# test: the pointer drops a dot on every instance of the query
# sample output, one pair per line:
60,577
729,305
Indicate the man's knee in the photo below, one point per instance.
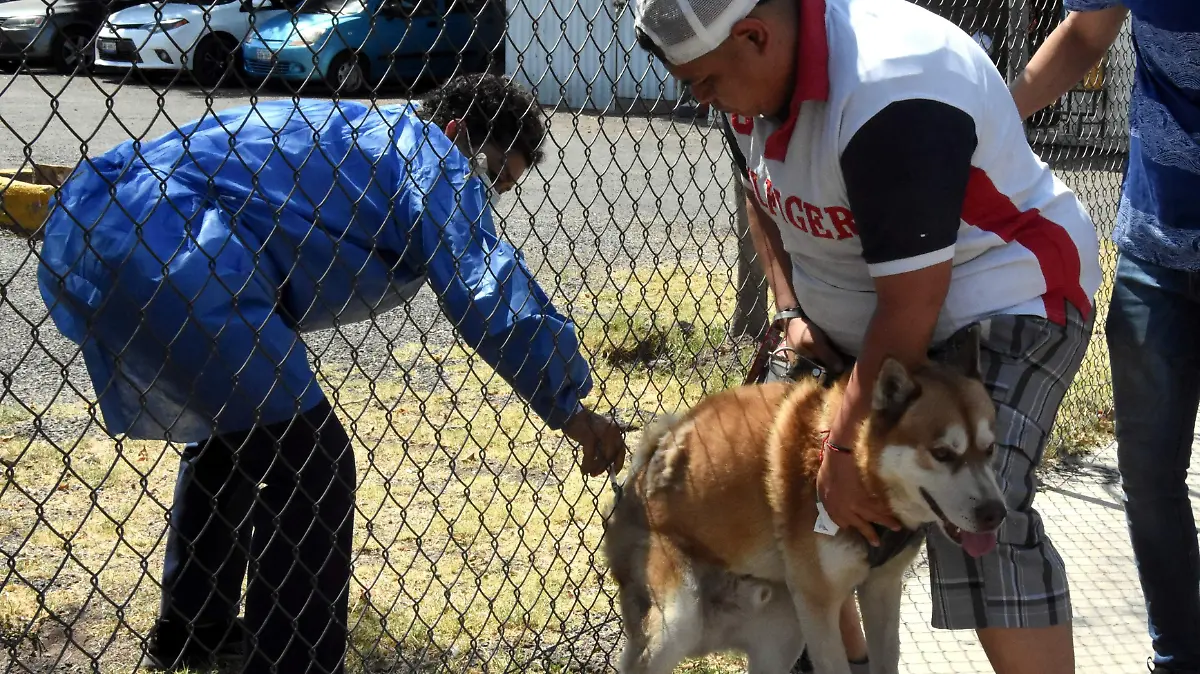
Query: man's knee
1142,370
1151,469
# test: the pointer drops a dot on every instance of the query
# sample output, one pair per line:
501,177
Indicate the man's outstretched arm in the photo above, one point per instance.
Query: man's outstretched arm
498,308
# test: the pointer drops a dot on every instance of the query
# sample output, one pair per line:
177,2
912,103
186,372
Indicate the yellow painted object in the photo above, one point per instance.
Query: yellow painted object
25,196
1094,80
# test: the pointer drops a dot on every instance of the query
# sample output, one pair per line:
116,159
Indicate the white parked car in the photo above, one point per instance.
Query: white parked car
203,37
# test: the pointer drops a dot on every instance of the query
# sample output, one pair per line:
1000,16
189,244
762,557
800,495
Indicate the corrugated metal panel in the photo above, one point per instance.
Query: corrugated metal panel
580,54
643,77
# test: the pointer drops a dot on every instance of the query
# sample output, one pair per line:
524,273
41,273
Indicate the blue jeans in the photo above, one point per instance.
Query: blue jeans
1153,334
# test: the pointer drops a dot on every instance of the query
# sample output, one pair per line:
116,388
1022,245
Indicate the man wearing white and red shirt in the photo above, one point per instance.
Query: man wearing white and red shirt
894,202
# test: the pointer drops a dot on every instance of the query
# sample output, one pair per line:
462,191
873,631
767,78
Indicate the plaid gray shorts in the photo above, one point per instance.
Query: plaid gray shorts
1028,363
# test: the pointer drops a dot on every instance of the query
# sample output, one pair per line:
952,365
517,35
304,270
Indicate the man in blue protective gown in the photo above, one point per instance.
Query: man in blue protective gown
187,268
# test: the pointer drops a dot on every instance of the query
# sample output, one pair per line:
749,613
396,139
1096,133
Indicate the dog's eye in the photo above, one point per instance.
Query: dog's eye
991,449
943,454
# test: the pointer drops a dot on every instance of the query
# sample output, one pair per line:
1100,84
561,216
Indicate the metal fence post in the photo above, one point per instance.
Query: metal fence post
1018,34
750,312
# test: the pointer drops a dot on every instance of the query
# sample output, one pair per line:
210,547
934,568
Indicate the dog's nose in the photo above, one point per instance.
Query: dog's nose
990,515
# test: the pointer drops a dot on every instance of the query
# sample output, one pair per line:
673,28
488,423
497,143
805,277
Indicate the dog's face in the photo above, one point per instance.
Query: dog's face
931,439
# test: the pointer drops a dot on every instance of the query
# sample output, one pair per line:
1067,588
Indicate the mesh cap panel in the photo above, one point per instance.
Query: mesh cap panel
688,29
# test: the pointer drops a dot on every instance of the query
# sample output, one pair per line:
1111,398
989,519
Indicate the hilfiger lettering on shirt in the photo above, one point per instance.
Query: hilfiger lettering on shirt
829,222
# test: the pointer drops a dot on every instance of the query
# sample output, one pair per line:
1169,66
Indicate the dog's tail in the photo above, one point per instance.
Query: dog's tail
651,438
624,514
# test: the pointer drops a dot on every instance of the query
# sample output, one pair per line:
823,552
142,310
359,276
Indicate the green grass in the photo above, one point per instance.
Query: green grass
476,536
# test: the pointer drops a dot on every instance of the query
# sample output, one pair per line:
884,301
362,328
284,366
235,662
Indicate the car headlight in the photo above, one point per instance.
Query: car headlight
23,22
165,26
308,36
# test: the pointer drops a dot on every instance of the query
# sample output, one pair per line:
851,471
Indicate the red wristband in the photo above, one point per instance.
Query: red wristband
827,446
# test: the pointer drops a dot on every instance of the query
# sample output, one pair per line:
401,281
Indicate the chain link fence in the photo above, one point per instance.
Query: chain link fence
475,538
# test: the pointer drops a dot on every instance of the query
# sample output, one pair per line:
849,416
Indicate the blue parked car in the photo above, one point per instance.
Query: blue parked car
352,44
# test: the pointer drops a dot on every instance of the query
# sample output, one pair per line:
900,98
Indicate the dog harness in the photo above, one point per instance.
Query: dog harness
892,543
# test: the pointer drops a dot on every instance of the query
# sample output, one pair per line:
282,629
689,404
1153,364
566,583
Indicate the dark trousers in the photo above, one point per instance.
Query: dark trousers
1153,335
275,505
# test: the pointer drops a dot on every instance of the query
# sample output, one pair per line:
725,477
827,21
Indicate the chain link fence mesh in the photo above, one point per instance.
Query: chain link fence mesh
475,540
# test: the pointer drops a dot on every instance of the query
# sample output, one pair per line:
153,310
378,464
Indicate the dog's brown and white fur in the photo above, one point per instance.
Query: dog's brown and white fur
712,542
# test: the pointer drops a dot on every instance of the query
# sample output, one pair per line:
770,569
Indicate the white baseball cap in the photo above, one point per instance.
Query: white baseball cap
685,30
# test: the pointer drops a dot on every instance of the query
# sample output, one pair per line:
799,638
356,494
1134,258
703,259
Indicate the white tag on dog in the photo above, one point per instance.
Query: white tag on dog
824,524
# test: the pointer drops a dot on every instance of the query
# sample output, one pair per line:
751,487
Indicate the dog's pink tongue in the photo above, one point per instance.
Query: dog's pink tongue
978,545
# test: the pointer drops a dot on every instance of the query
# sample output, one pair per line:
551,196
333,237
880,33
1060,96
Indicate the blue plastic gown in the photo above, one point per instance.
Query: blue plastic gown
188,268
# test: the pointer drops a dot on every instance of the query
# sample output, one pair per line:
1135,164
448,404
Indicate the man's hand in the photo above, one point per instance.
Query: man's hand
601,440
847,501
812,342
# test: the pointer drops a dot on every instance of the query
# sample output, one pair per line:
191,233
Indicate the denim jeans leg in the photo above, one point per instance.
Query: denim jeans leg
1153,333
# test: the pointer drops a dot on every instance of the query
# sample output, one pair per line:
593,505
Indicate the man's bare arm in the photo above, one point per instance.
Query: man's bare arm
1065,57
775,261
901,328
907,171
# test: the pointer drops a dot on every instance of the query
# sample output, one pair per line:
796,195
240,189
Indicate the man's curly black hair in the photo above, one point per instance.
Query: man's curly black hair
492,108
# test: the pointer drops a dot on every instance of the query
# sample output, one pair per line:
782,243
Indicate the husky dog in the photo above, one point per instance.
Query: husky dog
712,541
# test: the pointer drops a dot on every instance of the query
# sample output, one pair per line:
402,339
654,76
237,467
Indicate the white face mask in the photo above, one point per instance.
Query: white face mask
479,166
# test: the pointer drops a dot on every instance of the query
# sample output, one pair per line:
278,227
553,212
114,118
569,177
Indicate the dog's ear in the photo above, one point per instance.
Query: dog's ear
965,358
894,389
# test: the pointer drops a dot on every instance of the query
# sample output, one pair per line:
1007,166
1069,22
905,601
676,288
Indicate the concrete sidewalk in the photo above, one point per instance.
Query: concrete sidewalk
1081,507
